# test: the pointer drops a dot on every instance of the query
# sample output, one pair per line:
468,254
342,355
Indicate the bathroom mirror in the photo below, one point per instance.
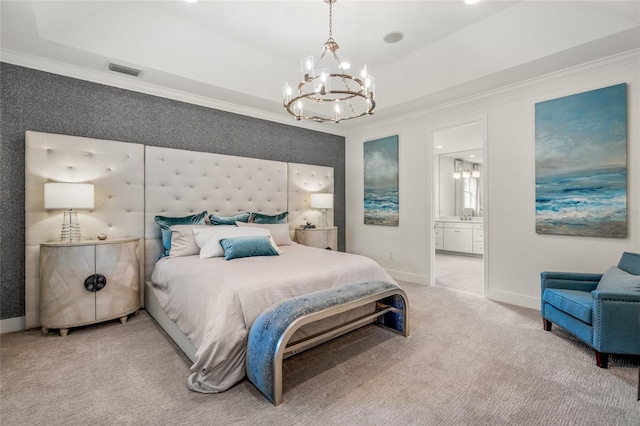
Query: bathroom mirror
460,184
458,162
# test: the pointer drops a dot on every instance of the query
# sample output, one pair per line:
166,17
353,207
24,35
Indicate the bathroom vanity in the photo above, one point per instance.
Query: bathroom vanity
461,236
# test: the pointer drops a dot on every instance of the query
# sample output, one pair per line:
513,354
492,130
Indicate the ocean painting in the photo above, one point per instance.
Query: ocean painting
581,164
381,182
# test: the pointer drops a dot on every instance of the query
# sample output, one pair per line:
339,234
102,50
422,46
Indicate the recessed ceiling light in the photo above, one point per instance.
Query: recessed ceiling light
438,146
471,156
472,1
191,1
393,37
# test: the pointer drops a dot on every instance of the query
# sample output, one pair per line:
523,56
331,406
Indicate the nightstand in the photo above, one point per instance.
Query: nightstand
318,237
88,282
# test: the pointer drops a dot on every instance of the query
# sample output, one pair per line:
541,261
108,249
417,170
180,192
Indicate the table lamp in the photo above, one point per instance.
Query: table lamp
323,202
69,196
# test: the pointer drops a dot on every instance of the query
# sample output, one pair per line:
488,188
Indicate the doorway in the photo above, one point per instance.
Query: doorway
459,176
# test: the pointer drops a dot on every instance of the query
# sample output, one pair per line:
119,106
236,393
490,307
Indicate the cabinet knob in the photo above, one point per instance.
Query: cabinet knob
95,282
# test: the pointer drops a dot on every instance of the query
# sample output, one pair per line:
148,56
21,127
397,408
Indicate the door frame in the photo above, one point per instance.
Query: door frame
482,120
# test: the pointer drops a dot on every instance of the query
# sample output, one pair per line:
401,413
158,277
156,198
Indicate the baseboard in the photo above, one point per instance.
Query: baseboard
10,325
513,299
406,276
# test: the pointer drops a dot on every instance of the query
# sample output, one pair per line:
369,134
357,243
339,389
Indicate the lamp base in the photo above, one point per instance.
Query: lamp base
70,231
323,219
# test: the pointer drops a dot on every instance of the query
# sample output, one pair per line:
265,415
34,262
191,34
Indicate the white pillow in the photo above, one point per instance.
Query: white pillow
183,243
279,231
208,239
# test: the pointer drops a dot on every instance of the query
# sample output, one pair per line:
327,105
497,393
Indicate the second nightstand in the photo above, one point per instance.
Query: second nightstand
318,237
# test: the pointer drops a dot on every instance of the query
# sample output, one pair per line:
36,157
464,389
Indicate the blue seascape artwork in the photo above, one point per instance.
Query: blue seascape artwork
381,182
581,164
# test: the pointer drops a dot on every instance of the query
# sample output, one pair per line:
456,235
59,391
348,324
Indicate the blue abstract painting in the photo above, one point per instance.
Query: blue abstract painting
581,164
381,182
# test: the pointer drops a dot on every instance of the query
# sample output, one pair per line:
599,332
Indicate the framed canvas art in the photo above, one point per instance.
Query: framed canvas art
381,182
581,164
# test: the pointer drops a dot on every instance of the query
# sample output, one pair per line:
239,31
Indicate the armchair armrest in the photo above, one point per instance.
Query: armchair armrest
569,280
616,321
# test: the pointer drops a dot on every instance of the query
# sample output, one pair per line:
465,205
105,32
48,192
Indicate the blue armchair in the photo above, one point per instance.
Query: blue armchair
602,310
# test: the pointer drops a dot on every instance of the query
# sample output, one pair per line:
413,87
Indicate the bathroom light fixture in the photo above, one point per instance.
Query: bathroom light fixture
323,202
476,171
457,174
327,92
69,196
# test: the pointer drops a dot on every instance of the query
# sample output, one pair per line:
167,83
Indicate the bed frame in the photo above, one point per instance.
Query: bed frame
152,306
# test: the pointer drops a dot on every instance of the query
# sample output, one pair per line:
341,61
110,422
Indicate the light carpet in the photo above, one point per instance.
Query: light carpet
468,361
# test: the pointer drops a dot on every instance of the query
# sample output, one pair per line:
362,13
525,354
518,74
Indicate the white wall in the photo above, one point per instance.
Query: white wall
515,254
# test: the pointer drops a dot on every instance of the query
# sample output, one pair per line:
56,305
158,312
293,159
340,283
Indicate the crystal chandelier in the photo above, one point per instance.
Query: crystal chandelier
327,92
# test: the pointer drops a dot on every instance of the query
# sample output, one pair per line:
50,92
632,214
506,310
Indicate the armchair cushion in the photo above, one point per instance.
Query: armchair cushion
617,279
630,262
576,303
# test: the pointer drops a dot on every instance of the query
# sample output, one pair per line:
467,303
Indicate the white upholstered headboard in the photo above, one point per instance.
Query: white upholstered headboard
179,182
134,183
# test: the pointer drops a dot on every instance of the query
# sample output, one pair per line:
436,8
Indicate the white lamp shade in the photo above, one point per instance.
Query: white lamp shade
68,195
322,201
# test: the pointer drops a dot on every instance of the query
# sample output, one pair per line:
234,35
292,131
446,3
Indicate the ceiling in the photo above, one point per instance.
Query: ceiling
463,142
236,55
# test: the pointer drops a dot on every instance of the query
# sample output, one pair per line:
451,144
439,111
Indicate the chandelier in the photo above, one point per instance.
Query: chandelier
327,92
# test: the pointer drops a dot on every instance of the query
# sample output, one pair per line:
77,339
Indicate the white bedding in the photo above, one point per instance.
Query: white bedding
214,302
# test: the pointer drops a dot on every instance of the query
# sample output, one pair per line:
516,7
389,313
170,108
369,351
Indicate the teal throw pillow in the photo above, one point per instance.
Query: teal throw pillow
237,247
229,220
166,223
617,279
265,218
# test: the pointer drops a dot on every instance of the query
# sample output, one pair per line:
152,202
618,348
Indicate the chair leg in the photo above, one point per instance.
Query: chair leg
602,359
546,324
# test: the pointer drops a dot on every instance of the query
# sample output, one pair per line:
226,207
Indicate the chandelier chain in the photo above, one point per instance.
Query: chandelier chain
330,20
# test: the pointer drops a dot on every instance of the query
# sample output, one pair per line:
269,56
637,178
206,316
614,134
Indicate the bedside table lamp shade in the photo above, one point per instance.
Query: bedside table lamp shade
323,202
69,196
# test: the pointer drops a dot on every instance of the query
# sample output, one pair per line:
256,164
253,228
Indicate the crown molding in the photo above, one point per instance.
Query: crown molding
492,95
591,67
55,67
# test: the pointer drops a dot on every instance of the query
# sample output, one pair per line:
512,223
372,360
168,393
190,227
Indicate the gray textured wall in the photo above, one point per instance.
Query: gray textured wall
39,101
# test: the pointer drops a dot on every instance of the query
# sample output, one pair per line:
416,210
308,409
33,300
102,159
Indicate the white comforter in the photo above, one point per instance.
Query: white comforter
214,302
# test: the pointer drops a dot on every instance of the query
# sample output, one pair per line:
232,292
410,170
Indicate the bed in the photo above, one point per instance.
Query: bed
216,313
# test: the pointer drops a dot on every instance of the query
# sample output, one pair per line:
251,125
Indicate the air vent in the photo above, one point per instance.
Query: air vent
124,70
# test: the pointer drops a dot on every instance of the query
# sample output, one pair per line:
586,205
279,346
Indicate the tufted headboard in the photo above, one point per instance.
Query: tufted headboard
179,182
134,183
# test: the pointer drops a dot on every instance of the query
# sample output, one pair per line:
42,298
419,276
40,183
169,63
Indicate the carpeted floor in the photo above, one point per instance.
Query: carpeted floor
468,361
